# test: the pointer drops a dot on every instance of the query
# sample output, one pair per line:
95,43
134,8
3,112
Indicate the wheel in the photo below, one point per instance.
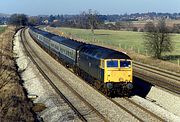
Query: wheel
97,85
107,92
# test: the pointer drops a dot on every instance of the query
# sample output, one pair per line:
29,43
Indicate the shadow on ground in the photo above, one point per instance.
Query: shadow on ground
141,87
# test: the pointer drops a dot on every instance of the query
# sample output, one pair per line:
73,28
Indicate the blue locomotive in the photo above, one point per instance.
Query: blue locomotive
108,70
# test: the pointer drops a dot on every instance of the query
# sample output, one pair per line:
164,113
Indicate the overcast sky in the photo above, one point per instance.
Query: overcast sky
47,7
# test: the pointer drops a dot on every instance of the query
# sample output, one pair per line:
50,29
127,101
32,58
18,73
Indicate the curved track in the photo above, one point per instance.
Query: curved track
142,115
79,113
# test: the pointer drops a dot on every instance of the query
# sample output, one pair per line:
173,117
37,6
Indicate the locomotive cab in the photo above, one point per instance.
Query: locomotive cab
117,72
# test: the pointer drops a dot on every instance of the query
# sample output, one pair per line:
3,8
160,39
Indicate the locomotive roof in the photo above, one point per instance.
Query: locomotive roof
103,53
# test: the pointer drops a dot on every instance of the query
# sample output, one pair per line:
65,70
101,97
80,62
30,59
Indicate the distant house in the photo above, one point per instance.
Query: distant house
55,20
46,22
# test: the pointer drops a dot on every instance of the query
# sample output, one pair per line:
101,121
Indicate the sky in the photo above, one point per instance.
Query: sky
48,7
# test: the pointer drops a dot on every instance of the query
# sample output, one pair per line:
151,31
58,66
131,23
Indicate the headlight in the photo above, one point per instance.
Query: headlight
120,79
109,85
129,86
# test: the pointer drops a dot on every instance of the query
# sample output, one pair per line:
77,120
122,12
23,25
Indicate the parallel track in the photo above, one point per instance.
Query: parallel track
135,104
161,71
166,84
79,114
139,107
161,78
129,111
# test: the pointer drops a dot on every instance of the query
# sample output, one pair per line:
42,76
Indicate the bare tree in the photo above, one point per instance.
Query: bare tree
92,19
157,38
83,20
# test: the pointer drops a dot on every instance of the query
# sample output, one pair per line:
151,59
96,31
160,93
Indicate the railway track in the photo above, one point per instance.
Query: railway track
142,115
128,105
158,77
80,112
136,110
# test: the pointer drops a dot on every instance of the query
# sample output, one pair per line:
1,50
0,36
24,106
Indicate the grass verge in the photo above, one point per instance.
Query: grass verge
130,42
14,105
2,29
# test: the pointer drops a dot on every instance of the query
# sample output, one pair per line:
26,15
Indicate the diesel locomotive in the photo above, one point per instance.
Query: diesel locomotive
108,70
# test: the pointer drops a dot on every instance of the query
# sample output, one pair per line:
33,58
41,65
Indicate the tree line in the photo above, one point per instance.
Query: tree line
157,37
85,20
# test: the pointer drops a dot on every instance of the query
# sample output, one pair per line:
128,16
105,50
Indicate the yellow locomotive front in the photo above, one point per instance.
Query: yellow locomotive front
118,74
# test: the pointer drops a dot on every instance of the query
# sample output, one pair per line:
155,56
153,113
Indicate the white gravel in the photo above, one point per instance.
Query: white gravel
166,112
56,109
165,99
168,116
111,111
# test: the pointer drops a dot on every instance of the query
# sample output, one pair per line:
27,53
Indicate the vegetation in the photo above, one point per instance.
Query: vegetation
18,20
157,39
2,29
124,39
92,19
14,106
133,53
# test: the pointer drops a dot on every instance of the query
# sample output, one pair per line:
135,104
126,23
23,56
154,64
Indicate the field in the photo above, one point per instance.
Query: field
140,24
169,23
2,29
123,39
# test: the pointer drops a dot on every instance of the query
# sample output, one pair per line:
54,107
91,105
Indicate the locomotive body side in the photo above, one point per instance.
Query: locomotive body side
109,70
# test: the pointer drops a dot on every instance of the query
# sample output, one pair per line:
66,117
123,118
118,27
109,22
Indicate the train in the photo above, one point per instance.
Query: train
110,71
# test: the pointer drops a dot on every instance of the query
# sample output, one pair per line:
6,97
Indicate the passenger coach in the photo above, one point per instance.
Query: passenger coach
107,69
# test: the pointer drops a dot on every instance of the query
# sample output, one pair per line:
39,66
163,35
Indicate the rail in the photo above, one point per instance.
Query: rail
170,86
128,111
54,86
162,78
163,72
139,107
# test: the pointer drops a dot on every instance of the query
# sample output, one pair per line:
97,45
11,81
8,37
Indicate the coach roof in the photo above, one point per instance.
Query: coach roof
68,42
59,39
